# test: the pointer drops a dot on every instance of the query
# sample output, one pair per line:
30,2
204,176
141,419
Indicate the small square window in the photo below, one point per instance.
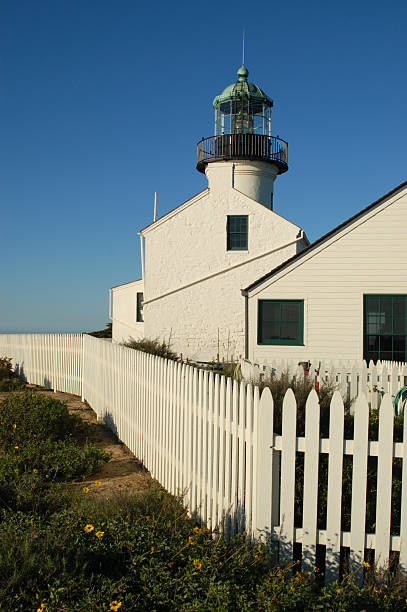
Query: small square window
237,232
281,322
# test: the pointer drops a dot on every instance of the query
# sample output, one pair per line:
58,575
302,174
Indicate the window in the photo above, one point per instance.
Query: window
139,316
237,232
385,327
281,322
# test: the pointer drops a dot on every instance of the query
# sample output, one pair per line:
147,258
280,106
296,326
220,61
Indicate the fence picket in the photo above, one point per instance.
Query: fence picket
384,482
359,480
334,500
311,463
264,458
288,455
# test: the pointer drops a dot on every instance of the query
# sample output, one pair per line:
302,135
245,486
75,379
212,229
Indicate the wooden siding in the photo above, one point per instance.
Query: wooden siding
367,257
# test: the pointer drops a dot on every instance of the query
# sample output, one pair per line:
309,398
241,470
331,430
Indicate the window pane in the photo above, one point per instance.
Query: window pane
290,331
373,343
386,311
386,343
386,356
271,311
399,326
373,324
399,306
271,331
290,312
399,343
372,304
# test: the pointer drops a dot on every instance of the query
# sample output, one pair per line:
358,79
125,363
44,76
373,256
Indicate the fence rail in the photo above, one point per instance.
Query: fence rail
216,442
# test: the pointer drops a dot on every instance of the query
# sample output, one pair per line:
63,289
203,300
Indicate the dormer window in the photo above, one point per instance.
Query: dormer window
237,232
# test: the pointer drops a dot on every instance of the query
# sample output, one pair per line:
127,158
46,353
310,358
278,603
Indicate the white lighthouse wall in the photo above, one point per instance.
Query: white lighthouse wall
368,256
124,312
192,282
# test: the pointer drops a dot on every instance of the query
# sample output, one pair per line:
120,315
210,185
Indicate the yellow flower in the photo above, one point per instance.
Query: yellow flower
293,588
99,534
316,569
191,541
153,549
97,483
197,530
365,564
16,447
257,556
107,498
197,564
88,528
85,490
120,588
376,590
16,470
46,475
32,394
259,548
42,607
14,425
339,591
35,471
115,605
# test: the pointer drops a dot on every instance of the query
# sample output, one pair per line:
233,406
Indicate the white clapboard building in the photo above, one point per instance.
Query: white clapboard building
344,297
224,276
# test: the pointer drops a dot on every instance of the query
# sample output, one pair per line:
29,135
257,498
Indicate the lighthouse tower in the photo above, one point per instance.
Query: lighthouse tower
243,150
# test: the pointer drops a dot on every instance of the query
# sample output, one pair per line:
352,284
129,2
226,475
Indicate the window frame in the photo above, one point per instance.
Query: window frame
299,341
379,296
229,233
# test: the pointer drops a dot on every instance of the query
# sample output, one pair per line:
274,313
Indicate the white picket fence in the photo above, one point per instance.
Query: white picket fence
351,378
212,441
50,360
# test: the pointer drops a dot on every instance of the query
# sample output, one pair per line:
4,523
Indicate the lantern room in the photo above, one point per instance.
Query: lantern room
243,127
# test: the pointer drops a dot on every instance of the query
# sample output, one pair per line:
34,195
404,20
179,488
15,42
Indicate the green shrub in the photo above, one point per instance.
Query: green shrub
39,447
102,333
28,415
143,552
9,380
153,347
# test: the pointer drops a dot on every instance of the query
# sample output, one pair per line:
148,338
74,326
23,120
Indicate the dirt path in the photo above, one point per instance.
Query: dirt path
123,472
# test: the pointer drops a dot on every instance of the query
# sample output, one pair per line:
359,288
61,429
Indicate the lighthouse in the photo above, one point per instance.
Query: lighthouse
243,149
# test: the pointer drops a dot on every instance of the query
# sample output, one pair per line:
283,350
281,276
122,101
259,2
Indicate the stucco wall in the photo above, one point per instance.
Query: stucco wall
124,312
192,282
370,256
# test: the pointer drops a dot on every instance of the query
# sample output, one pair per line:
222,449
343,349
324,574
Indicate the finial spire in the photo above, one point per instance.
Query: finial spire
244,32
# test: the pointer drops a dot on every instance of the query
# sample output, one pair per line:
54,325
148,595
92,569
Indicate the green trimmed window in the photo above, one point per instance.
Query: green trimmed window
281,322
237,232
139,315
385,328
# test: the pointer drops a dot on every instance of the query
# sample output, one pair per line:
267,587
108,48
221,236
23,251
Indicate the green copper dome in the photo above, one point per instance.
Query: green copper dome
242,89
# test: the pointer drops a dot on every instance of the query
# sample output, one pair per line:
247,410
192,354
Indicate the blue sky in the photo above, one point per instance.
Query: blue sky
102,103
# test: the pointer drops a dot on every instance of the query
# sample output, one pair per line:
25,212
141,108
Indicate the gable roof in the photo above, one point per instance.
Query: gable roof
129,283
321,240
176,208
